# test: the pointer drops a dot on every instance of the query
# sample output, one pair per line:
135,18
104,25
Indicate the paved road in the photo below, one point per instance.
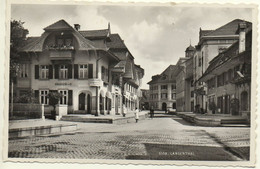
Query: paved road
166,137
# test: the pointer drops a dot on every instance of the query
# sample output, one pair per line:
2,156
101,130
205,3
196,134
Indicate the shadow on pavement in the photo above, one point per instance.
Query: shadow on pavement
183,122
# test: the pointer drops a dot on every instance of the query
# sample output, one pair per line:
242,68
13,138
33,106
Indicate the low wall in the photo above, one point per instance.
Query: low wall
28,111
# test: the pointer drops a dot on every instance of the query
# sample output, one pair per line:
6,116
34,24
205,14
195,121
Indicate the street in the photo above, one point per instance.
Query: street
165,137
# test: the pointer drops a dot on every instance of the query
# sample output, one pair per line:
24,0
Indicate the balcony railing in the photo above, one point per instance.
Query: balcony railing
60,47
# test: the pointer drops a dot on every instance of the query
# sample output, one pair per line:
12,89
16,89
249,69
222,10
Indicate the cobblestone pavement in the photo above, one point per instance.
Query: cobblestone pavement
161,138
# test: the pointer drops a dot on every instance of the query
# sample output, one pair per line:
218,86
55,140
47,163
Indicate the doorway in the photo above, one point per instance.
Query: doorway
164,106
88,104
82,101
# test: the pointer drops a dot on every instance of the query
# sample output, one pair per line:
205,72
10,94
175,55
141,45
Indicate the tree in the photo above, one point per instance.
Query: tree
54,98
17,39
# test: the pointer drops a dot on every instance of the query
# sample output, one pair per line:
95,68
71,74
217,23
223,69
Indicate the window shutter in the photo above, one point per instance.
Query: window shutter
76,71
56,67
36,71
90,71
36,95
70,97
50,72
69,71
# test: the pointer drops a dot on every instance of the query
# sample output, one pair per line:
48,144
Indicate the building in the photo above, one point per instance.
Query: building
228,77
162,89
144,101
211,43
184,81
93,70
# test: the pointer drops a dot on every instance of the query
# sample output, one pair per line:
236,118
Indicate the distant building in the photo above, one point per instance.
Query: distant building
184,81
144,100
211,43
93,70
162,90
228,76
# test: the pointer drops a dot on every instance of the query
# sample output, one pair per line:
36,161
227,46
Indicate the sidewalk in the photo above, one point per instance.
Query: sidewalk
214,120
25,128
115,119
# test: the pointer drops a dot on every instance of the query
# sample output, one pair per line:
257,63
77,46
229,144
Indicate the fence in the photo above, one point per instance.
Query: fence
27,111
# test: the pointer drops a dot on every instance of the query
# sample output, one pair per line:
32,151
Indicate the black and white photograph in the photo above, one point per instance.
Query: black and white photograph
135,83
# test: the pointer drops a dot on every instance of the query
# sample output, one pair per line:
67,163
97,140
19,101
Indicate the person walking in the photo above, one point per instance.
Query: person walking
136,114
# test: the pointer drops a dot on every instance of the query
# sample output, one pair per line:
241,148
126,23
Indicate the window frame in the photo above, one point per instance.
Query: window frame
44,95
64,68
84,71
64,98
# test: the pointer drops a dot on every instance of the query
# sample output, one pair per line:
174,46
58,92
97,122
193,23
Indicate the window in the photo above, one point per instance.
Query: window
164,87
191,83
200,62
63,72
155,87
64,98
43,97
83,71
220,80
164,95
173,86
191,94
64,41
104,74
230,75
23,73
44,72
174,96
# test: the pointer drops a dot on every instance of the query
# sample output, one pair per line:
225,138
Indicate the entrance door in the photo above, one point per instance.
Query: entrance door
82,101
88,104
164,106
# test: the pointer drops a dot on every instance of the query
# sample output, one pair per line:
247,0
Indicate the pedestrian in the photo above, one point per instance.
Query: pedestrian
124,110
136,115
151,112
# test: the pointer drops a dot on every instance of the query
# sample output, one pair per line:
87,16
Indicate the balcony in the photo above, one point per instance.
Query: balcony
61,55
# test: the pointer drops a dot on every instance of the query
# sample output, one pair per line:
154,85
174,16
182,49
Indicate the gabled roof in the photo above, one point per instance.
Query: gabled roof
228,55
227,29
116,42
36,44
59,25
95,33
161,78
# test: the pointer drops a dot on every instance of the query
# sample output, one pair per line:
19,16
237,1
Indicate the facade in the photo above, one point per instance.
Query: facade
211,43
163,90
228,77
184,81
93,70
144,101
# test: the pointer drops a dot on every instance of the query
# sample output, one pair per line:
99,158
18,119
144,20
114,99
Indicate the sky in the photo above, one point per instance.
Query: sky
157,36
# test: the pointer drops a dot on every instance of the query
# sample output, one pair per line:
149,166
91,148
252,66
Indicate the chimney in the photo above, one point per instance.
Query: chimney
77,27
242,36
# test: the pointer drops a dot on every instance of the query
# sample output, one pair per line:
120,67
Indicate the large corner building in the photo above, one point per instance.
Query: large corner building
93,70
